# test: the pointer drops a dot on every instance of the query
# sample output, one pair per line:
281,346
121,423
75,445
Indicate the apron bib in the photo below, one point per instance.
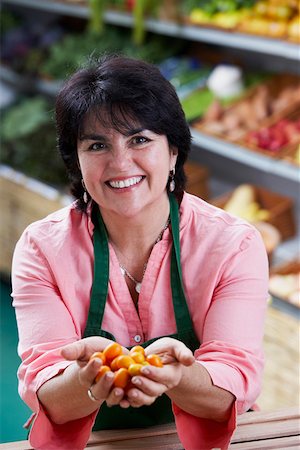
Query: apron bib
160,411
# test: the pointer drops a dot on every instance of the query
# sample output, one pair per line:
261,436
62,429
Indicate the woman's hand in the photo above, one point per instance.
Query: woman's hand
81,351
154,381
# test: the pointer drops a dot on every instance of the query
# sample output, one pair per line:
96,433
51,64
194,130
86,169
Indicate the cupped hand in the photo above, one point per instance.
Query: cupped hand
154,381
81,351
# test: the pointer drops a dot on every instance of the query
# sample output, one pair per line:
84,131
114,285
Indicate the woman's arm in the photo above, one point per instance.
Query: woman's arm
65,396
184,380
229,362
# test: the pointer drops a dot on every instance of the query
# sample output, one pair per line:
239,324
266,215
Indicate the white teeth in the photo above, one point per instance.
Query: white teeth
125,183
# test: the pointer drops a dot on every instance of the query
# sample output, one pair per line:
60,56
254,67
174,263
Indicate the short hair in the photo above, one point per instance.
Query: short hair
119,91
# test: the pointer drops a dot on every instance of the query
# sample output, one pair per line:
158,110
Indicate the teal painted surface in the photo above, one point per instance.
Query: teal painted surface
13,412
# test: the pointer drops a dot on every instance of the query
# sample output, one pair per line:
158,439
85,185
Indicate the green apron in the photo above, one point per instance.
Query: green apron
160,411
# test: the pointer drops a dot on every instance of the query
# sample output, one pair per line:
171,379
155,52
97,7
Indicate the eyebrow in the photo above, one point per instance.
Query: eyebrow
99,137
92,137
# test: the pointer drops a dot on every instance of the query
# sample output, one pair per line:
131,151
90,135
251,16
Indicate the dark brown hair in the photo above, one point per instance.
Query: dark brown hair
121,91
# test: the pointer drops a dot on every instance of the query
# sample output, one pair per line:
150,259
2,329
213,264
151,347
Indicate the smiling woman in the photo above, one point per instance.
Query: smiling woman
137,260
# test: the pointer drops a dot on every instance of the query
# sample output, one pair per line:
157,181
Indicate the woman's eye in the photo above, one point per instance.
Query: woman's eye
140,140
96,146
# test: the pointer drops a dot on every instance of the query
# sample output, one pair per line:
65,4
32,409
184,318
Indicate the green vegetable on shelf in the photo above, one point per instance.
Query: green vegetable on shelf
28,141
196,104
97,8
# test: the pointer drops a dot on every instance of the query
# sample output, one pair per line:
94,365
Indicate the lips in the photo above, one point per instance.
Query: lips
121,184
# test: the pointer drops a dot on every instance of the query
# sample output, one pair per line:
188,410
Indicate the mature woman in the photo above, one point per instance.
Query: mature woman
137,260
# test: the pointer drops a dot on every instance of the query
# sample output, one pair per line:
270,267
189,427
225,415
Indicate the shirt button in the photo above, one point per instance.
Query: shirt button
137,338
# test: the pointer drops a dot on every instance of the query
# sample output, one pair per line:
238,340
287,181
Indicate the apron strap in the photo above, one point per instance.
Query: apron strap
101,276
182,315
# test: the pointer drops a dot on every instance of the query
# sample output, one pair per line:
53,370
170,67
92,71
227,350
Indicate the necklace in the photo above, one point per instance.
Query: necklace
138,284
124,271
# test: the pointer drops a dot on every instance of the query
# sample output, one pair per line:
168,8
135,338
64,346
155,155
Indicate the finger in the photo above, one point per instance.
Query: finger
84,348
148,386
115,397
102,388
73,351
137,398
171,350
166,376
124,403
88,373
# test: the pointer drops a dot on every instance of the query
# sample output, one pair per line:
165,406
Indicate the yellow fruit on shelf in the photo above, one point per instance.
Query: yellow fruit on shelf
280,12
277,29
261,8
243,204
198,16
293,28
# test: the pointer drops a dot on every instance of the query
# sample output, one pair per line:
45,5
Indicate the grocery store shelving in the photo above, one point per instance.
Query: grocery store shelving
269,46
201,140
235,152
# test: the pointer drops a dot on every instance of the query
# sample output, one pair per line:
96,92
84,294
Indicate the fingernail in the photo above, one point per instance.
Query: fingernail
118,392
97,362
136,381
133,394
145,370
109,375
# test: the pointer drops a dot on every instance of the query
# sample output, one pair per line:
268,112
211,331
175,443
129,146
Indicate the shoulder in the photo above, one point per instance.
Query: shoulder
214,226
56,226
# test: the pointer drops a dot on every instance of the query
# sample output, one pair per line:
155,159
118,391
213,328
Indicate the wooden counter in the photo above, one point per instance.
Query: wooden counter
256,430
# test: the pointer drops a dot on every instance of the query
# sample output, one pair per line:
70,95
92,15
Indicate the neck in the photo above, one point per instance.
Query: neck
137,234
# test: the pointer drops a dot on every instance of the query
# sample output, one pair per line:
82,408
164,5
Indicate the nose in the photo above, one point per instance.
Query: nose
121,157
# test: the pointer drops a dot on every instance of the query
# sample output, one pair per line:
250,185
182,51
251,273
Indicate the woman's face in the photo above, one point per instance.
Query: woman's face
124,173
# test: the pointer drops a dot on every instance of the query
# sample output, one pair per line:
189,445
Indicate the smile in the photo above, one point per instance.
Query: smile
125,183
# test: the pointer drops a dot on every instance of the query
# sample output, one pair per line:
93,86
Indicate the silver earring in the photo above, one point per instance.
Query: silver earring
172,182
85,196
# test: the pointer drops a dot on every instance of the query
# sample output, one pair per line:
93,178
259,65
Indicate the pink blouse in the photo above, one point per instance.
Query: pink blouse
225,275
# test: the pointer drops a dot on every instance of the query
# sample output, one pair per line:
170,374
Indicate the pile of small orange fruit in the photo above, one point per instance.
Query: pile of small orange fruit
124,366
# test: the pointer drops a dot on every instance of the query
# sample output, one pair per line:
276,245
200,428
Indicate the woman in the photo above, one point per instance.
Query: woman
137,260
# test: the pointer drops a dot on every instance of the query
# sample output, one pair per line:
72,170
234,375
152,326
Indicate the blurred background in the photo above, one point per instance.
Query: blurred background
235,66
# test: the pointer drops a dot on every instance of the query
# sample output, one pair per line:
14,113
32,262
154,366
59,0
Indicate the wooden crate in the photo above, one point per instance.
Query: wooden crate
197,179
289,268
272,86
281,209
281,375
23,200
292,155
290,113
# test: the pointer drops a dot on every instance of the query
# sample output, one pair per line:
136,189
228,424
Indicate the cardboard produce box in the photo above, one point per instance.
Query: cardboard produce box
279,207
23,200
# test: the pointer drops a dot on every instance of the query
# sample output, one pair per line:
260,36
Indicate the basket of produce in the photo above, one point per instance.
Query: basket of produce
276,138
256,204
267,101
285,282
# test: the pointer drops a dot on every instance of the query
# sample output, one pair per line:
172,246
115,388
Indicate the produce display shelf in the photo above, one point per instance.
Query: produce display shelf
275,47
210,143
244,156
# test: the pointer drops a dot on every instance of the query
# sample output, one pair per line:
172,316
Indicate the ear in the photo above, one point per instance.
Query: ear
173,157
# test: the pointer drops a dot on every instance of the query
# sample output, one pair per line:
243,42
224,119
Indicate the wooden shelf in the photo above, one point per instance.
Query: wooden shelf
268,46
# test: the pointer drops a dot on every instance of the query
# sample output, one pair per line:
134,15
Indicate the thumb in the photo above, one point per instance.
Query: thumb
184,356
172,350
74,351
